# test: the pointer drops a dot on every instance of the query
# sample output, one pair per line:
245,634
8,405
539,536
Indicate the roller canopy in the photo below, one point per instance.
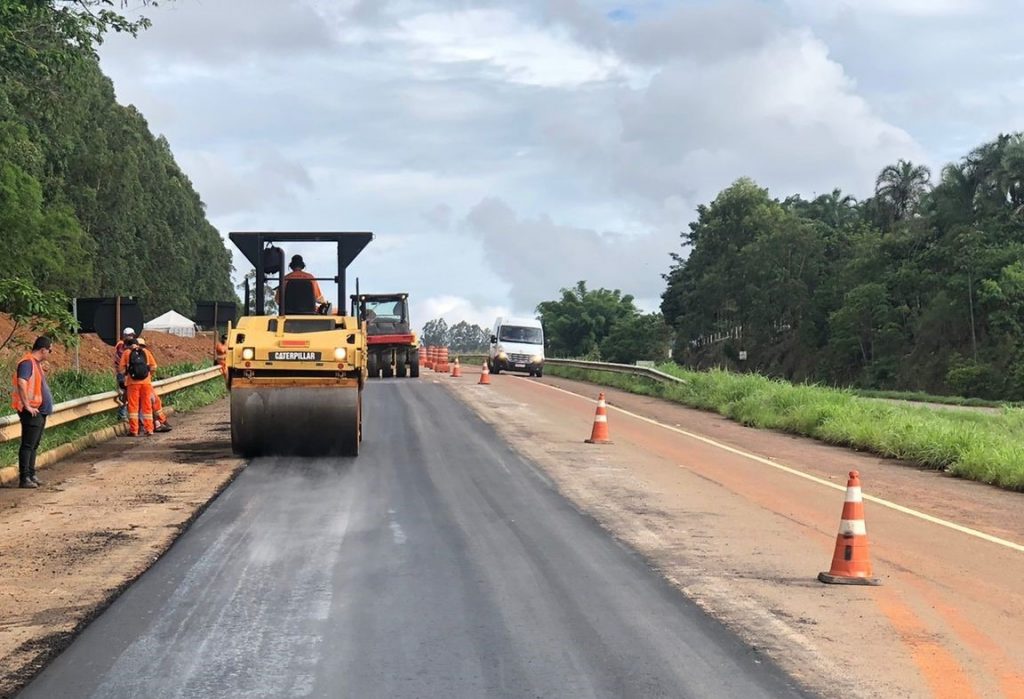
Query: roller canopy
350,243
252,243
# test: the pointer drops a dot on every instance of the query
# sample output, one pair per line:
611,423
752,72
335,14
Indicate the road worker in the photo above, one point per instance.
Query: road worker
298,267
220,355
122,397
159,416
138,365
32,400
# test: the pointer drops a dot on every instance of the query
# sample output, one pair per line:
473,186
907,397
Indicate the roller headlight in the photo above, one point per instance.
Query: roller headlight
248,353
340,353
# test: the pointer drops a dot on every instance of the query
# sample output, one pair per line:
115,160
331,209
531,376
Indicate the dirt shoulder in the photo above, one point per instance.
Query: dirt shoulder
101,519
746,540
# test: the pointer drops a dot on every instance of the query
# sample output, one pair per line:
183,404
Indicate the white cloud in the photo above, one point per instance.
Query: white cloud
537,257
455,309
503,151
499,39
835,9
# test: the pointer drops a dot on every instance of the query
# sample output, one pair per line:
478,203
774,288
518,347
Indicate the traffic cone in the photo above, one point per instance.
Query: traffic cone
456,371
485,375
599,435
851,564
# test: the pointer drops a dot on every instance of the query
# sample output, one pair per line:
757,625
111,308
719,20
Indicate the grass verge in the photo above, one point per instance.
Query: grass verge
922,397
977,446
182,401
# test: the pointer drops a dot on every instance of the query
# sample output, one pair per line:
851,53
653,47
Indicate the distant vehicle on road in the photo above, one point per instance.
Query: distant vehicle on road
517,344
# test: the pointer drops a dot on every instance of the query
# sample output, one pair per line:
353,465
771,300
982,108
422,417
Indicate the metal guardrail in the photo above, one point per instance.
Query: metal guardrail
69,411
629,369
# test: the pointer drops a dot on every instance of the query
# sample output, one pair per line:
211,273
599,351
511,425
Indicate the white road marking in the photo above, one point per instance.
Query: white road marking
820,481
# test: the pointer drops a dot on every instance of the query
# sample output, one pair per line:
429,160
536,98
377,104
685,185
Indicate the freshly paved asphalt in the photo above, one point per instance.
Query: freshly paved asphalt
438,563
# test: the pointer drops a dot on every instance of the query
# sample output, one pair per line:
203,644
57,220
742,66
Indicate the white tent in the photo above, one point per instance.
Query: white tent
172,322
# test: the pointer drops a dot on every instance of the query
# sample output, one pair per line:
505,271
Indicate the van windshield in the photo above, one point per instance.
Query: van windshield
516,333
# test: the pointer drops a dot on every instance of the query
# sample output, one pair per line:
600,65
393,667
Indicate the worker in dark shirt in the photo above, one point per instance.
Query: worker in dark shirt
32,400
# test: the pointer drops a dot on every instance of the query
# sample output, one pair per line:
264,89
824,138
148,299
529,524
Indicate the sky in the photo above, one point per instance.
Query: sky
503,151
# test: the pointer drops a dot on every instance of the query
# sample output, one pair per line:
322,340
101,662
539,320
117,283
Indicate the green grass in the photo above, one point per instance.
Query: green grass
922,397
984,447
182,401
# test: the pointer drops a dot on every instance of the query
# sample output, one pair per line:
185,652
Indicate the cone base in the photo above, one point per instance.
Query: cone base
598,441
847,580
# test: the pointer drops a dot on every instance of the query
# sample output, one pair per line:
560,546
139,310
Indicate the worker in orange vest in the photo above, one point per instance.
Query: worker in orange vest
220,355
122,398
298,267
138,365
159,416
32,400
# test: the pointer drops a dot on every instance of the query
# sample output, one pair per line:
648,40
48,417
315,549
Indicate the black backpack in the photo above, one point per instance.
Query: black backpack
138,367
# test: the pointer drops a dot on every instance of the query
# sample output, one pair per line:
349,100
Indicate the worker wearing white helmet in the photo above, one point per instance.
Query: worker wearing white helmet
126,334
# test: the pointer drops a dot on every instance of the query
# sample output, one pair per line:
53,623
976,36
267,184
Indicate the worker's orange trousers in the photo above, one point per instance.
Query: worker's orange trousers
140,397
158,407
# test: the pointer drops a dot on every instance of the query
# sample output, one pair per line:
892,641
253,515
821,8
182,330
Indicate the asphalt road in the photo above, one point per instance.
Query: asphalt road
437,564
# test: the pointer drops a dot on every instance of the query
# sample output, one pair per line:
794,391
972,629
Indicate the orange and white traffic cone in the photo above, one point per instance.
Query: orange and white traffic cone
456,371
485,375
851,564
599,435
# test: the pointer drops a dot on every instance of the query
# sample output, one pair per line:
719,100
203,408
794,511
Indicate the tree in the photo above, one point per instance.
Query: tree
900,188
637,337
47,311
91,202
864,329
464,337
576,324
435,333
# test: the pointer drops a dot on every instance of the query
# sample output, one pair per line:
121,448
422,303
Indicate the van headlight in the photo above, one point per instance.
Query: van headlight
502,356
536,359
339,354
248,353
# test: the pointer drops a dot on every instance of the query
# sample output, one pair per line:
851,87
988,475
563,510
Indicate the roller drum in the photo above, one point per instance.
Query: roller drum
295,420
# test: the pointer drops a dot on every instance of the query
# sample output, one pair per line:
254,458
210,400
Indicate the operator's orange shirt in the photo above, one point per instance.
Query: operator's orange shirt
302,274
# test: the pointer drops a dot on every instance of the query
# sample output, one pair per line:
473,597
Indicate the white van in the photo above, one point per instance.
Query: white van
517,344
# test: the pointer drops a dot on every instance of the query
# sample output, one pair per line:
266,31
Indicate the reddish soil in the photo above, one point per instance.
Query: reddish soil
96,355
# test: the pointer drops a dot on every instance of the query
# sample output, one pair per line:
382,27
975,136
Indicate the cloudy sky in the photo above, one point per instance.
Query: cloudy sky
503,150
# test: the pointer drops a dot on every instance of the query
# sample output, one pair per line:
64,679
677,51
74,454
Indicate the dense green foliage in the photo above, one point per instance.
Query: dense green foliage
46,311
91,203
461,337
601,324
919,287
978,446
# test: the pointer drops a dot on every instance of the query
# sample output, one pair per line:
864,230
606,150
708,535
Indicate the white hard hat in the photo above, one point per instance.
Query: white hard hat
128,331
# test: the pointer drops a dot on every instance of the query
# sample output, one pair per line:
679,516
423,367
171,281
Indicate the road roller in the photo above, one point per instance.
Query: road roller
295,368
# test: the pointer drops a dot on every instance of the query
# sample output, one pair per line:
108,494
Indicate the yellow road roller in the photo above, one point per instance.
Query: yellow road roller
296,369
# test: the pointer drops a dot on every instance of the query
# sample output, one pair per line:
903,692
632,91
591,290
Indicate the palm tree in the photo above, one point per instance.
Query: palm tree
900,188
836,208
